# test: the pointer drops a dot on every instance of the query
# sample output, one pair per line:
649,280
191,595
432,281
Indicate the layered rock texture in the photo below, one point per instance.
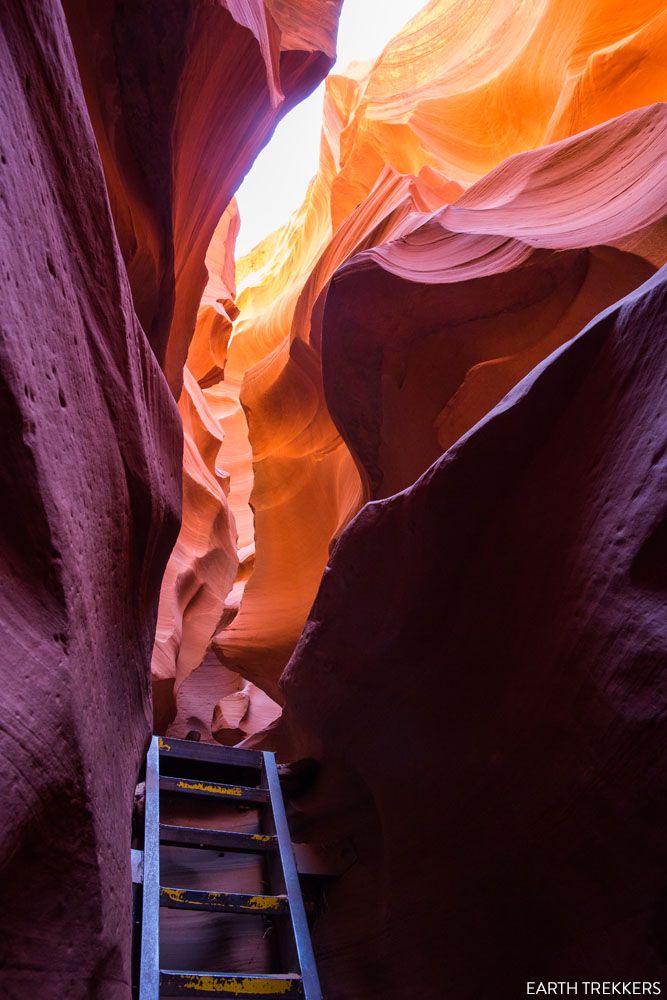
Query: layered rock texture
108,203
423,335
182,96
181,103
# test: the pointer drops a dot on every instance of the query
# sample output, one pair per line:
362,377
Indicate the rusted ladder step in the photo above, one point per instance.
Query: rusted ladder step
202,984
216,840
223,902
215,789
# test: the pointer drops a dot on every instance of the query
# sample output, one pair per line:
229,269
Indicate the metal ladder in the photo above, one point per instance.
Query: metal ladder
191,765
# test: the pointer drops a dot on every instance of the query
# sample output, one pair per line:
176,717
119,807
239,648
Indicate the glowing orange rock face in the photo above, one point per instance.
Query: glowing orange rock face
204,562
425,334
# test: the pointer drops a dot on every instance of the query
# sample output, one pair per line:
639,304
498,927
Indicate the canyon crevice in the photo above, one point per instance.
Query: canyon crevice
286,408
387,492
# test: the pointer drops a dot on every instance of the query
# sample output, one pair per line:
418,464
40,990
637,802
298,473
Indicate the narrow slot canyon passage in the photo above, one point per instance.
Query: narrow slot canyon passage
333,360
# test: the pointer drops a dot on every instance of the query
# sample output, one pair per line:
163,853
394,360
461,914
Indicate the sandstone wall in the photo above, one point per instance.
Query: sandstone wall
90,507
484,667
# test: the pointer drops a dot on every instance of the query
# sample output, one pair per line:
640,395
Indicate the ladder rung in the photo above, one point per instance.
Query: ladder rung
214,789
223,902
211,753
201,984
217,840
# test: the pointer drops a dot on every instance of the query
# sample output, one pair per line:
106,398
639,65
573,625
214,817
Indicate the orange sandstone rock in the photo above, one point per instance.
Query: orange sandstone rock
182,97
424,335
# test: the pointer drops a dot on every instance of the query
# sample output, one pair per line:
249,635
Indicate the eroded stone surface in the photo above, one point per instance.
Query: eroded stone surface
181,104
423,335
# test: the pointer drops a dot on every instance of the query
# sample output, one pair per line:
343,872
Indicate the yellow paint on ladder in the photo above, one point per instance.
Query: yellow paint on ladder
262,903
175,895
240,986
199,786
255,904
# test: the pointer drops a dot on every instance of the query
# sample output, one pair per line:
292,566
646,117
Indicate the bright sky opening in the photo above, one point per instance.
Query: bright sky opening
277,182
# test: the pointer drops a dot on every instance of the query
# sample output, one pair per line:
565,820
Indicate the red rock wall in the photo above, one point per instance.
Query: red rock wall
486,658
90,505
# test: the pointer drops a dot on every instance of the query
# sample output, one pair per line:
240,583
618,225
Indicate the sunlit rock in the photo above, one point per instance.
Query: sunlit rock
181,104
424,335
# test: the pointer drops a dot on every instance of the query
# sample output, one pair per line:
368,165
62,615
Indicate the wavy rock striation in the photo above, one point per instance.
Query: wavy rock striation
424,335
181,103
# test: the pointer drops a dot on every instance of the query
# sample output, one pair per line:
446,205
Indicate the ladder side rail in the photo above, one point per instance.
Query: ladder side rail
282,944
297,912
149,973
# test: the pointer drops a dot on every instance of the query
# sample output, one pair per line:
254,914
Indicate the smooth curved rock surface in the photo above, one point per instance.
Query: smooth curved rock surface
181,104
91,458
204,563
465,85
182,97
408,366
486,654
425,334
